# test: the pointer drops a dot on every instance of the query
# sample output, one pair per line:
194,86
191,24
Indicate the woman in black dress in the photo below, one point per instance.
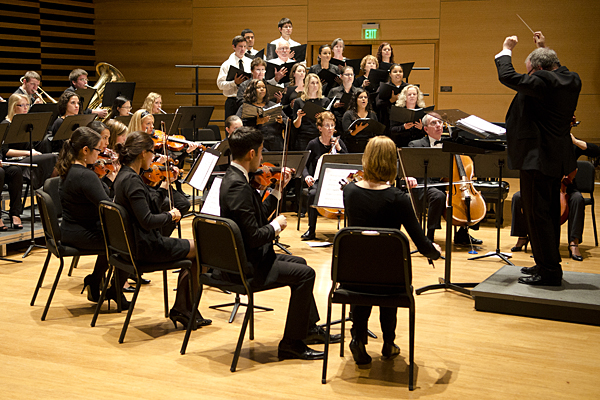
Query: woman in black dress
323,63
294,89
81,192
360,107
144,208
256,95
69,104
412,98
372,202
306,129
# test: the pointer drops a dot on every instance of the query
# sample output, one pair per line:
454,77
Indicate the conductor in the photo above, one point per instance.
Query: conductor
538,125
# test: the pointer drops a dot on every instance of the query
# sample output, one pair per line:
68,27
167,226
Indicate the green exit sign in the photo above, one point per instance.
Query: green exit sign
370,31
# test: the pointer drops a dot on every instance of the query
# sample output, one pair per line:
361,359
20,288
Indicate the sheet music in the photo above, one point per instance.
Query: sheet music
211,204
202,173
331,194
480,125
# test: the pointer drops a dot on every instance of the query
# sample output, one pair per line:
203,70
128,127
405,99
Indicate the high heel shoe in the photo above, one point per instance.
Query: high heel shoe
523,241
111,294
184,319
15,225
574,256
93,288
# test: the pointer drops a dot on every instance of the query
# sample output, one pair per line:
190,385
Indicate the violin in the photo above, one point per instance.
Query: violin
352,177
159,172
469,206
266,176
174,142
106,162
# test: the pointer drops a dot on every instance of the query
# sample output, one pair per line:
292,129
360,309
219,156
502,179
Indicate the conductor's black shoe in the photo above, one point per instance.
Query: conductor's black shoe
359,353
297,350
128,289
539,280
308,235
390,350
318,335
463,238
530,270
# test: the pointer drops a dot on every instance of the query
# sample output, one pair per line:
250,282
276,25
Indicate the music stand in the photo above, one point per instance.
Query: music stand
71,123
49,107
29,128
124,119
200,172
195,117
85,95
3,110
295,159
452,148
112,90
494,166
170,120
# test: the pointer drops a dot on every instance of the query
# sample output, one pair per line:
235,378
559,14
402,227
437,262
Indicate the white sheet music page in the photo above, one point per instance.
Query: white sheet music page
331,194
481,125
211,204
204,170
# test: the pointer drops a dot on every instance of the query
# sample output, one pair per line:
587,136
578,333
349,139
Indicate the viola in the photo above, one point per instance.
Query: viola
158,172
469,206
106,162
267,175
174,142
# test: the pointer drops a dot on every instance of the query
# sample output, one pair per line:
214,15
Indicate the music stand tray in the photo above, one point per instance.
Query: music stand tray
295,159
86,96
71,123
112,90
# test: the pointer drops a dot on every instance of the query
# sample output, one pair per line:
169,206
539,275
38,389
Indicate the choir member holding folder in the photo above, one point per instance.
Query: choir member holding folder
356,121
402,131
304,122
230,86
367,64
342,95
328,72
294,89
388,93
385,53
258,105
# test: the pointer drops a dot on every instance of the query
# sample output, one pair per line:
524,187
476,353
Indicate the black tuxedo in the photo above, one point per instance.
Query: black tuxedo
242,204
436,197
539,144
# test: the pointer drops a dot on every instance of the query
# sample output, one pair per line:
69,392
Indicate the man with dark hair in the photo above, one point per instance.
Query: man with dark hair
436,197
79,80
241,203
539,145
240,61
285,28
249,36
29,87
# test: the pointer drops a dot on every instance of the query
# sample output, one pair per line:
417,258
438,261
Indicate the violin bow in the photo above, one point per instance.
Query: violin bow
283,163
162,126
429,260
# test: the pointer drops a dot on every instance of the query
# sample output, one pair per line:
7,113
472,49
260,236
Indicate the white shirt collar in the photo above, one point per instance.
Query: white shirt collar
241,168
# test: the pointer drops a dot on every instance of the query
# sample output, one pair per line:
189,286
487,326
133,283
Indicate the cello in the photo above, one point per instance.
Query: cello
469,206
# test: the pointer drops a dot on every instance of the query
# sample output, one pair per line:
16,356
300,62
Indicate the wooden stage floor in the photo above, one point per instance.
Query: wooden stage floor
460,352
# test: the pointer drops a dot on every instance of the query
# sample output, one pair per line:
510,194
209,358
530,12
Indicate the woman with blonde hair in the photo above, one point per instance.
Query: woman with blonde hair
410,97
374,203
141,120
306,129
368,63
153,103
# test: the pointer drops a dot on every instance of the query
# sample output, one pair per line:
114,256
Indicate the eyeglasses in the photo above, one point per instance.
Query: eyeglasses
348,75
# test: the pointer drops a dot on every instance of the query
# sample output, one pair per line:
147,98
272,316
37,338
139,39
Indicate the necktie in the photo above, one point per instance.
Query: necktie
241,66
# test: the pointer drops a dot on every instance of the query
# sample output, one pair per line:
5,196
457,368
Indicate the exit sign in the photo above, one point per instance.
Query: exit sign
370,31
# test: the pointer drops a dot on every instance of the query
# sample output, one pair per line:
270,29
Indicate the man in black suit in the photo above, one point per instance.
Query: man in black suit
241,203
539,145
436,197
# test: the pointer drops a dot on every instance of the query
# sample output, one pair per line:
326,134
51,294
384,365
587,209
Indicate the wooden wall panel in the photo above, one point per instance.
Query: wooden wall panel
391,30
372,11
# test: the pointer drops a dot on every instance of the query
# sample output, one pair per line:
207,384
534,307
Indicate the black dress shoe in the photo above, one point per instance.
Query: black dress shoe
390,350
359,352
129,289
465,239
297,350
539,280
142,280
318,335
308,235
530,270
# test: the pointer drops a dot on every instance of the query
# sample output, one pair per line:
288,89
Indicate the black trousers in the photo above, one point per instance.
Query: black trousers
387,319
302,313
575,221
436,199
541,207
231,106
12,176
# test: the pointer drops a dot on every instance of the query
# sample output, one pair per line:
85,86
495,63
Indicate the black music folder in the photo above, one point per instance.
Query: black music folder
125,119
271,90
374,128
406,68
270,52
327,76
233,72
355,64
271,68
312,109
299,52
377,76
402,114
345,99
385,66
337,62
260,54
387,89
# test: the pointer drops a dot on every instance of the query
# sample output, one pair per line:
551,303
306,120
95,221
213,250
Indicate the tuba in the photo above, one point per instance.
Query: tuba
106,73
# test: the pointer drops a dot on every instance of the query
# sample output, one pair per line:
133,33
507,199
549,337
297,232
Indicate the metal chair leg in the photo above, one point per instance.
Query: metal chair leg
41,279
74,262
54,285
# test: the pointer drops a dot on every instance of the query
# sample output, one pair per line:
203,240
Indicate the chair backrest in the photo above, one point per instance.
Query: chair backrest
372,257
49,221
585,177
51,186
219,244
117,231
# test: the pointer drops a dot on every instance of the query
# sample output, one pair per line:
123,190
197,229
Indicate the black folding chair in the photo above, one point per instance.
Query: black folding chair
219,246
384,278
53,244
117,230
585,179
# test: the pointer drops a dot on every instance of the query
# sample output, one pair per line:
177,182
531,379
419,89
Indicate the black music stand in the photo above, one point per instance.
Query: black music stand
195,117
71,123
85,95
49,107
29,128
452,148
494,166
3,109
112,90
125,119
